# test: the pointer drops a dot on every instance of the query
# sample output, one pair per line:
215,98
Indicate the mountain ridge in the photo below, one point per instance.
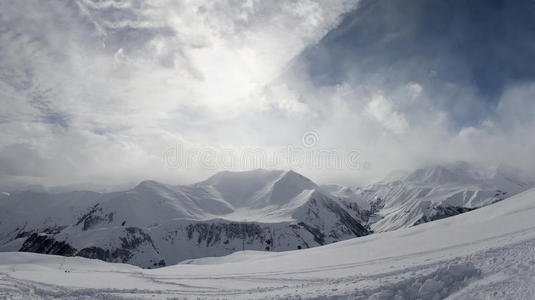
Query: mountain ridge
438,191
155,224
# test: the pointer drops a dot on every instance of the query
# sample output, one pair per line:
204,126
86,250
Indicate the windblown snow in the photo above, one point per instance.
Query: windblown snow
486,253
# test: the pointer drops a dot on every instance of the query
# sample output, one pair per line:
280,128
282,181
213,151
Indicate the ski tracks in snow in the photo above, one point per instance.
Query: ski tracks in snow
505,272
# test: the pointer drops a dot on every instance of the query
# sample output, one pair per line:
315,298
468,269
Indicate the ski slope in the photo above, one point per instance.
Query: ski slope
485,253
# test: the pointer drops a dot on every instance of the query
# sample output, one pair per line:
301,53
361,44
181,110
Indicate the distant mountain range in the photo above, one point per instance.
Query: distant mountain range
155,224
407,199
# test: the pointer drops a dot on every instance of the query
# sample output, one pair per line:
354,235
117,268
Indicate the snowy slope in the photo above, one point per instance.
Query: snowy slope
349,195
483,254
424,195
155,224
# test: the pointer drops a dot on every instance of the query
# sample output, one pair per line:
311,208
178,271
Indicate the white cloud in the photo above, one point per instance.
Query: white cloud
382,110
415,89
96,91
101,88
469,132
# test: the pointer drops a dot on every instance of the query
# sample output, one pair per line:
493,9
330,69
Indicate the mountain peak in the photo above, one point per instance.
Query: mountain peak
150,185
238,176
444,174
288,186
292,175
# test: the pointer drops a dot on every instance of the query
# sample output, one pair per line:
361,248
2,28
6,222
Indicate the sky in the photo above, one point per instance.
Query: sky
109,93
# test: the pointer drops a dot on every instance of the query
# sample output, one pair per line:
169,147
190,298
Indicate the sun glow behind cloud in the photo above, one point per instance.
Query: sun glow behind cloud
97,91
121,81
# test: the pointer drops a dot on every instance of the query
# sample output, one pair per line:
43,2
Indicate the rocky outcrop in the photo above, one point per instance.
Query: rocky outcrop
46,244
94,217
441,212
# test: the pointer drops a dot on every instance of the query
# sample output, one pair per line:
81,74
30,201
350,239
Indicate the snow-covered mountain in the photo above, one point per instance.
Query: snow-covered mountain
487,253
156,224
427,194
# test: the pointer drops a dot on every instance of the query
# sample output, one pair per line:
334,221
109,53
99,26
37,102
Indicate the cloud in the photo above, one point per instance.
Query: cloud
381,109
97,90
423,83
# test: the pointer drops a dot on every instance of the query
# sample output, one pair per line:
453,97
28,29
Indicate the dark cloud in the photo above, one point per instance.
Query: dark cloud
463,53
